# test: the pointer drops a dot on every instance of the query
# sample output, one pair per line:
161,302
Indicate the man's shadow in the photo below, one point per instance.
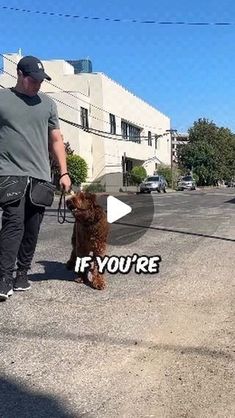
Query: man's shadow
53,270
17,400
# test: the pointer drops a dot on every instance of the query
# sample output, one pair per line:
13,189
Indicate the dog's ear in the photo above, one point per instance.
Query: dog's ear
81,195
90,196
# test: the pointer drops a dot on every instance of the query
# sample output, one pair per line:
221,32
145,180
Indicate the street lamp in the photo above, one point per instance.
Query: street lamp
171,132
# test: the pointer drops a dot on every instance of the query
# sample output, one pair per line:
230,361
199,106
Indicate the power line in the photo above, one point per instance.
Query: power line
91,130
60,101
89,104
79,126
94,131
54,98
99,132
108,19
144,137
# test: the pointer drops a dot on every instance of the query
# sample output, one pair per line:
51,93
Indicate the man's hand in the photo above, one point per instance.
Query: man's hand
65,183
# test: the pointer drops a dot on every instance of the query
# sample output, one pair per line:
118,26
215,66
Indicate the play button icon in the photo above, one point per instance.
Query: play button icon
129,215
116,209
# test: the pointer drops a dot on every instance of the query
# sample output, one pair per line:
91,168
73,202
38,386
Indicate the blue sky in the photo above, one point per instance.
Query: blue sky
187,72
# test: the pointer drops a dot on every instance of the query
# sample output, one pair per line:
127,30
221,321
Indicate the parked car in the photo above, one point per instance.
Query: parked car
186,182
153,184
231,183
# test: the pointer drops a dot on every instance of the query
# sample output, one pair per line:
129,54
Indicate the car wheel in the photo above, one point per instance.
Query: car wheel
164,190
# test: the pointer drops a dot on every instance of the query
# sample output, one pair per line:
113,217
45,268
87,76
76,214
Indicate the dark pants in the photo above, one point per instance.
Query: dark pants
18,236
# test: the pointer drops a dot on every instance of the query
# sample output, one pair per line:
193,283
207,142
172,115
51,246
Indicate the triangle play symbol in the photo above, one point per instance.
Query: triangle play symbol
116,209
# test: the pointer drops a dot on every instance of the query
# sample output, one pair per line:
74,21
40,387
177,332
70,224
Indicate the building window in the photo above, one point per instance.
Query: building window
156,141
112,121
149,138
124,130
134,133
84,118
130,132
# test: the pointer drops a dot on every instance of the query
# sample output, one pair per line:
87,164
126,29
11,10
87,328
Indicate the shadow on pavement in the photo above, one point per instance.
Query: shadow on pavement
102,338
17,401
54,270
230,201
176,231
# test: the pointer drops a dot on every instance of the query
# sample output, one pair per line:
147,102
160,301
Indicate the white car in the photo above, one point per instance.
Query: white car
186,182
153,184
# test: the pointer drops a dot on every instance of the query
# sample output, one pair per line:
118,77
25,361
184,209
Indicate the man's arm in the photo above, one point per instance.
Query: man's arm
58,151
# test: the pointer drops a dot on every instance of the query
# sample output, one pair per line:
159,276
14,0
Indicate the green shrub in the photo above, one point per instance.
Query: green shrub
94,188
77,169
196,178
165,171
138,174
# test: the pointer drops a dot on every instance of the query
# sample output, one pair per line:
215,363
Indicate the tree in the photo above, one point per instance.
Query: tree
203,130
53,162
68,148
210,153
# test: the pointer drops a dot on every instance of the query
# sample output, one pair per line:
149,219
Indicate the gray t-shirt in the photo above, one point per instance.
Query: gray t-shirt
24,126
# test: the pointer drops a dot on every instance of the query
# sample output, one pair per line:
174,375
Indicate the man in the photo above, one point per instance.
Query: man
29,126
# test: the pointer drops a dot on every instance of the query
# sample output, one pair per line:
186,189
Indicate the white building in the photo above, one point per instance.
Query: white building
178,139
119,131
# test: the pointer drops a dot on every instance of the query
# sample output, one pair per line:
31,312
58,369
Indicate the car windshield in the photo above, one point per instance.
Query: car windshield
187,178
155,178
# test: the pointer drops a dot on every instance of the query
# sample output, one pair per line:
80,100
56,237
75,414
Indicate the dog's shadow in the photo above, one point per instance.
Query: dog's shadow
55,270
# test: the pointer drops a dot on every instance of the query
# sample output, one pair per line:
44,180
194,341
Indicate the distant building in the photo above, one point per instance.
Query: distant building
116,129
81,66
178,139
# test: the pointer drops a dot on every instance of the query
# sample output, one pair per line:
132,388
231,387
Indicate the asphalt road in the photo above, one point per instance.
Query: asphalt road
149,345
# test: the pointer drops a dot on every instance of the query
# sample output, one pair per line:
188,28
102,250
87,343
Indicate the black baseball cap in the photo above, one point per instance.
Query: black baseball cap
32,66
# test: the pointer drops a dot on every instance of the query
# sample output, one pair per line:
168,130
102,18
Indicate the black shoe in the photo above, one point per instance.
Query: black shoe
5,288
21,282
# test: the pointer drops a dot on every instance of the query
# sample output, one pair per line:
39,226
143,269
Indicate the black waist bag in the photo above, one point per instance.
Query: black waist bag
41,192
12,189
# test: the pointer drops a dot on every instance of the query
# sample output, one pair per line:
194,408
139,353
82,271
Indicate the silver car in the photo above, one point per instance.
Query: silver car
186,182
153,184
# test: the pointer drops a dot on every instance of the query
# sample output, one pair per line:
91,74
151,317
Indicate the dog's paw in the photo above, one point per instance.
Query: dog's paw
98,284
79,280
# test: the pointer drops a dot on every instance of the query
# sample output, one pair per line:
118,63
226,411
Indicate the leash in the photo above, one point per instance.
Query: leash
61,211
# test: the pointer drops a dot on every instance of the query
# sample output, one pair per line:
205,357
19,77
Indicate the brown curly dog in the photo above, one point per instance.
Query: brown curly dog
90,234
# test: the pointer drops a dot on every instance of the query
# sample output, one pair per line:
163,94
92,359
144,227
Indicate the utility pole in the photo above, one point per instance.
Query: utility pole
124,170
171,132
